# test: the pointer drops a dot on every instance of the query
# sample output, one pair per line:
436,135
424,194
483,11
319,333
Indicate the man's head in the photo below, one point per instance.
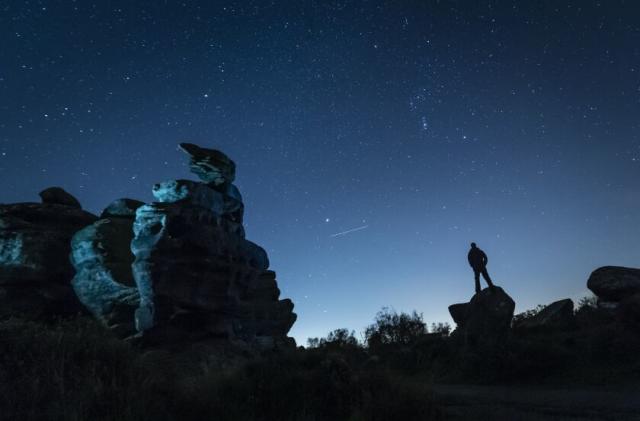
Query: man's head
473,245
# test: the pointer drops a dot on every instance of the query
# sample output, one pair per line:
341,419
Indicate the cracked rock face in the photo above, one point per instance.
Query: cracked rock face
198,276
180,270
34,255
102,257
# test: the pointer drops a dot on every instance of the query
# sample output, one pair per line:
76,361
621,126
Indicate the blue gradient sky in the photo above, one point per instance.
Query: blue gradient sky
430,123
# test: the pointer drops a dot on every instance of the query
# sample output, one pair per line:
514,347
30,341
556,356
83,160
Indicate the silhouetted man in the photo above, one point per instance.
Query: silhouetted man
478,261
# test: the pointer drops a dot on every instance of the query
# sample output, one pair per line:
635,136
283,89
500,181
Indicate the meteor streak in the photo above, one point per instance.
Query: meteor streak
349,231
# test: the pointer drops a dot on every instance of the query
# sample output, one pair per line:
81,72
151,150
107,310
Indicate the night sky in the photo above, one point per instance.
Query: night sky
373,140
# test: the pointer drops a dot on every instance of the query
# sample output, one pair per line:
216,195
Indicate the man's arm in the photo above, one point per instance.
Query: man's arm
485,259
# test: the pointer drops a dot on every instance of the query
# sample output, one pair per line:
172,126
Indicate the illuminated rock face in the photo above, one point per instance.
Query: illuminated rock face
34,255
180,269
196,274
102,258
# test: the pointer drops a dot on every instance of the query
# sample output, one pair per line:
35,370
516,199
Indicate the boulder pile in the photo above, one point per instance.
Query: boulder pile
178,270
34,255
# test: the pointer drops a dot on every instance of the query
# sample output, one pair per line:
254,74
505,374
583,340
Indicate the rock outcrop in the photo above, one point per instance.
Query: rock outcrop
196,273
34,255
101,255
57,196
556,315
486,319
613,284
180,269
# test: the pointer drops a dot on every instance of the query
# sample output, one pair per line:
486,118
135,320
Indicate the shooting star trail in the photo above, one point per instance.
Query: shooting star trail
349,231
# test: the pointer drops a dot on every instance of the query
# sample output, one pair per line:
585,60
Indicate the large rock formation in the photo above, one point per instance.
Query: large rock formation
101,254
486,319
613,284
34,255
181,269
618,292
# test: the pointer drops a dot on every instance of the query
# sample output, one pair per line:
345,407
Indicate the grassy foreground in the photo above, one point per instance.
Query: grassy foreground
76,370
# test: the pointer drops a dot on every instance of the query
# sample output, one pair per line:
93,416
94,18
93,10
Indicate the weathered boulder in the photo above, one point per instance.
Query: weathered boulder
614,283
101,255
490,313
459,313
556,314
218,171
210,165
34,257
486,319
57,196
196,274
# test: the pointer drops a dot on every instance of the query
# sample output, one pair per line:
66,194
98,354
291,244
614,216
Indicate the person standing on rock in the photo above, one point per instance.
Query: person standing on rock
478,261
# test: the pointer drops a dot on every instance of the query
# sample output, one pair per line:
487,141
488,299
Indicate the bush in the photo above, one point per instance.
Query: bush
339,338
588,302
526,314
391,328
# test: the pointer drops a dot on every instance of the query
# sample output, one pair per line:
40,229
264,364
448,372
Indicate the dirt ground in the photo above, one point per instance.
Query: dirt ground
471,402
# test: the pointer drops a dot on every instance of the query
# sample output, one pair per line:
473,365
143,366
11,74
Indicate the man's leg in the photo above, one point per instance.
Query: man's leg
476,275
486,277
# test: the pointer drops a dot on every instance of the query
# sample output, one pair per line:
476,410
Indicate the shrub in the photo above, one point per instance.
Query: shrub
442,329
391,328
526,314
339,338
588,302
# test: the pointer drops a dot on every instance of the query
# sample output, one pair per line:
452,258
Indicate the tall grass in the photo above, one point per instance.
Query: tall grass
75,370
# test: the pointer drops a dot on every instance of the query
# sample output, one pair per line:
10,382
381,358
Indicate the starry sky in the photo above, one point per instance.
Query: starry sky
374,140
